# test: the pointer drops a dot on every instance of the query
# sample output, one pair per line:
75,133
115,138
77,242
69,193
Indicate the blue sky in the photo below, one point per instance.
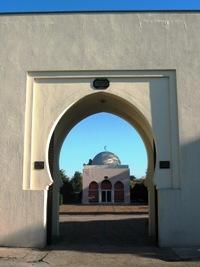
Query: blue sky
95,5
91,135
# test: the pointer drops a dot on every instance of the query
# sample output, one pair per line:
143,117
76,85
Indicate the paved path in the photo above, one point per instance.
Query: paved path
125,257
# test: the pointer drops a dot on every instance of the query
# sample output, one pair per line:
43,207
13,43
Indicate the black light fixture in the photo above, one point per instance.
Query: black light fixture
164,164
39,165
101,83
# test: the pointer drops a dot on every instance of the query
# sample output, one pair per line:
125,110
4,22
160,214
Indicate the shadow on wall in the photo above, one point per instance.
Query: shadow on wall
119,236
33,236
178,218
190,182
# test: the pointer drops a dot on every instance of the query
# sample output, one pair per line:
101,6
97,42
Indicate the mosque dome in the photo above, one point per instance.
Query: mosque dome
106,158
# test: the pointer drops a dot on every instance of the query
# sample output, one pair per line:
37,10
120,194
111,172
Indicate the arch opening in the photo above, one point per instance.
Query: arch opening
93,192
119,192
89,105
106,191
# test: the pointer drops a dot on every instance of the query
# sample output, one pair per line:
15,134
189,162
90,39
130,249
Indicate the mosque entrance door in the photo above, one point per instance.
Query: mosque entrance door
106,192
106,196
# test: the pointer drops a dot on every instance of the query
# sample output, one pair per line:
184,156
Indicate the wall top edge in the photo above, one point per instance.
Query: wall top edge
88,12
36,75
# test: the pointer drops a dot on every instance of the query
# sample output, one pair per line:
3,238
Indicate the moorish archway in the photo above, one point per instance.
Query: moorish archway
89,105
57,101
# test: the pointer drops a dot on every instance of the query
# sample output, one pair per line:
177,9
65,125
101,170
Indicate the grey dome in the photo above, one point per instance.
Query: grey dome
106,158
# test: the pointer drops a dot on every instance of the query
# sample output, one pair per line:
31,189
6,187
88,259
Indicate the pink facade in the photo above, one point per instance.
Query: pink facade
106,182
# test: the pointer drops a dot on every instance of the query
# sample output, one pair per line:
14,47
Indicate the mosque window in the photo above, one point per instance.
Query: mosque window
93,194
119,192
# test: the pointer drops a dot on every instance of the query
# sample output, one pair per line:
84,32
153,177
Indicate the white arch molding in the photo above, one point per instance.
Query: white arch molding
56,102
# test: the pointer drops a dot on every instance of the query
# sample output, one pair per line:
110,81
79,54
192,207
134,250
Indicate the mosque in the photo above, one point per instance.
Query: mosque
106,180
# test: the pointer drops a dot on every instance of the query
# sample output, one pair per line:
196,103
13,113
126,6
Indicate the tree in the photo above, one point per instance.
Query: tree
132,181
76,182
90,162
72,188
66,190
63,176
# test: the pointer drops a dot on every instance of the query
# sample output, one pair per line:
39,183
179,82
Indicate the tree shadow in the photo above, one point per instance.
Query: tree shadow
109,235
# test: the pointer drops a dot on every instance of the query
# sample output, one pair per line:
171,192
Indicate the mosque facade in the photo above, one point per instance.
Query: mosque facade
106,180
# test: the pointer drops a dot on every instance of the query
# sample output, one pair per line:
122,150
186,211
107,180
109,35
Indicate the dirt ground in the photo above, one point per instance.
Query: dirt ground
104,209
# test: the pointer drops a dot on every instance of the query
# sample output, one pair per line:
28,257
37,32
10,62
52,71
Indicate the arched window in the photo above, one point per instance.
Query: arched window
119,192
93,193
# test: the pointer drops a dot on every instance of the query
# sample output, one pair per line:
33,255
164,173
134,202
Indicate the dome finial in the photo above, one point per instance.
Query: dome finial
105,148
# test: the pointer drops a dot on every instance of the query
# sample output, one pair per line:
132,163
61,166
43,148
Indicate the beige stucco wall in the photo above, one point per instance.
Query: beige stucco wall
120,41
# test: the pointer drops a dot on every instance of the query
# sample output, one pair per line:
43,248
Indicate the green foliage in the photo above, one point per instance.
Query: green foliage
66,190
71,188
90,162
63,176
76,182
132,181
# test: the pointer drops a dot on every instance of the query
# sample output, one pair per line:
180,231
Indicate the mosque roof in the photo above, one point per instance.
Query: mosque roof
106,158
